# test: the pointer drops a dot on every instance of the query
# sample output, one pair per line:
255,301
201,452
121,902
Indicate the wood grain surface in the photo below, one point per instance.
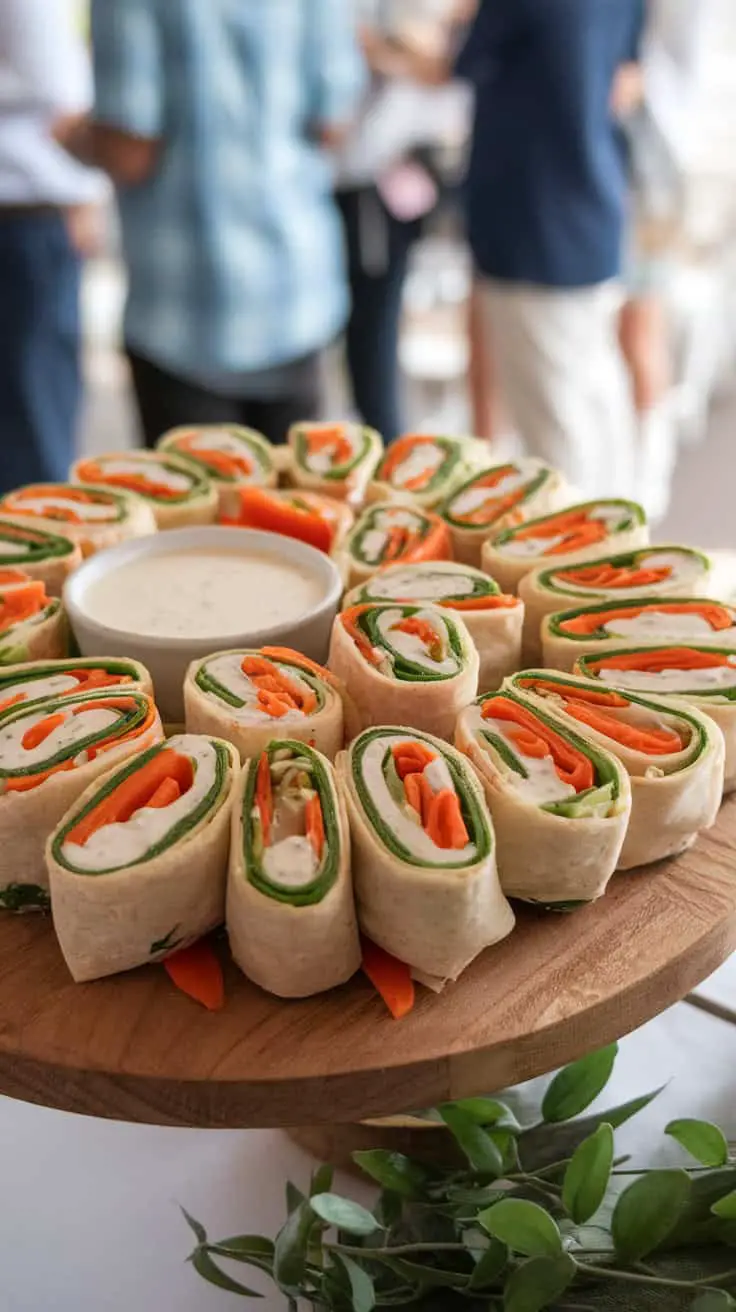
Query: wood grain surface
135,1049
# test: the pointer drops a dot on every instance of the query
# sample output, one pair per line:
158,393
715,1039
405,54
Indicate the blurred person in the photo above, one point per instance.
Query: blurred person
47,223
387,185
546,202
214,121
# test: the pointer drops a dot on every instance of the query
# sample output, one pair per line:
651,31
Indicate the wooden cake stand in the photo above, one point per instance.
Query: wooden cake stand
135,1049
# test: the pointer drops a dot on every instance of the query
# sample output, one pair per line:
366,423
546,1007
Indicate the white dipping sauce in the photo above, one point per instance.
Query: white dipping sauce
200,593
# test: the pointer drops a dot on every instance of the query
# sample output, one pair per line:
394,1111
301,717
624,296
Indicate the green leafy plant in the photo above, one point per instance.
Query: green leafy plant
541,1216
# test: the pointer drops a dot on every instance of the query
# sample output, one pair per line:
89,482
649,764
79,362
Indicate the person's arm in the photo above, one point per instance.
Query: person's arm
335,69
123,134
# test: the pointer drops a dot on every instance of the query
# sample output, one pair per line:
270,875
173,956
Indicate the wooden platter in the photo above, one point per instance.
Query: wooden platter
135,1049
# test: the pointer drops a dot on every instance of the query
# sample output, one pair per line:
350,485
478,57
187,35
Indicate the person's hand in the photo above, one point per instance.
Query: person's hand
627,91
67,129
86,227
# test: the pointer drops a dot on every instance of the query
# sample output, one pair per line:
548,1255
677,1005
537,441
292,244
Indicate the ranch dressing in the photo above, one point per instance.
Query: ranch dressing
664,681
543,784
659,624
474,497
202,593
424,583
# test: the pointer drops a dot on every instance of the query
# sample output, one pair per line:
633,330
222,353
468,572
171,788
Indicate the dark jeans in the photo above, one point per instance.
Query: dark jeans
378,247
165,401
40,375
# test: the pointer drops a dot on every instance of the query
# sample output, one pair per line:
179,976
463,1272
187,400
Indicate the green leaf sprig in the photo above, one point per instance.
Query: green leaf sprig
540,1216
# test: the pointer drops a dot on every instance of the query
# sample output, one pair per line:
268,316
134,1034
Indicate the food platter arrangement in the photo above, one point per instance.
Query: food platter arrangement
516,697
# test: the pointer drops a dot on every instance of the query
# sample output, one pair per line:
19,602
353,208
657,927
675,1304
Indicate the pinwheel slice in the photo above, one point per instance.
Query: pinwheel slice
674,757
493,619
179,495
37,680
581,532
45,556
228,454
290,910
496,498
49,752
318,520
424,468
594,630
337,460
138,865
248,697
560,805
95,517
424,863
32,624
404,665
700,676
392,534
650,572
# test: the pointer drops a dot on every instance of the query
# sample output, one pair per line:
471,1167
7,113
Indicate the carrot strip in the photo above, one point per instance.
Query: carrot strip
397,453
445,824
12,701
89,679
91,471
718,617
196,970
39,732
413,793
315,825
614,576
270,511
349,620
162,780
597,698
264,797
658,659
118,704
330,437
226,464
571,765
24,783
22,604
424,631
577,527
15,502
501,601
411,758
390,977
13,578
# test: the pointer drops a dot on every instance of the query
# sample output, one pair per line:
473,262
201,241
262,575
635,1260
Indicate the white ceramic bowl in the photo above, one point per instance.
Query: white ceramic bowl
168,658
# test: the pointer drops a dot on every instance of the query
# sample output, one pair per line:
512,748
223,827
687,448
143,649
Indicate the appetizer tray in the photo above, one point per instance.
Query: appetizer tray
134,1048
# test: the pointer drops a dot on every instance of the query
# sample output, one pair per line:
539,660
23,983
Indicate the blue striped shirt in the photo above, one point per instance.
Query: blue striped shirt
233,246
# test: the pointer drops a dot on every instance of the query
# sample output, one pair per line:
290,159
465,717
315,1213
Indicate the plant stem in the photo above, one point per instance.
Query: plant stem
398,1250
716,1280
633,1278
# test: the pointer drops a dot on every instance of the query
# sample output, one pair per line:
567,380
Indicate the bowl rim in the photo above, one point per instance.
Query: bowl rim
168,542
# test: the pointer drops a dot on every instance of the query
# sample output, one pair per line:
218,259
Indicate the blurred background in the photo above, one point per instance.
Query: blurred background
682,221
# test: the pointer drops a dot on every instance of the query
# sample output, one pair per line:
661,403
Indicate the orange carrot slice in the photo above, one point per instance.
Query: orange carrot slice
501,601
22,604
411,758
16,503
40,731
444,823
425,632
265,510
571,765
609,697
718,617
24,783
330,437
658,659
398,452
577,527
226,464
12,701
614,576
390,977
196,971
91,471
588,706
349,620
277,693
162,780
315,825
13,578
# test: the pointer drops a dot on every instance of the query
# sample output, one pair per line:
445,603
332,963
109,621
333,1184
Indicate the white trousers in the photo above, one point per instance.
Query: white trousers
563,378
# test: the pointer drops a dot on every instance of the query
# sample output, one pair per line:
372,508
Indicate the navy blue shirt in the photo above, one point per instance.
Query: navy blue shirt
547,180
